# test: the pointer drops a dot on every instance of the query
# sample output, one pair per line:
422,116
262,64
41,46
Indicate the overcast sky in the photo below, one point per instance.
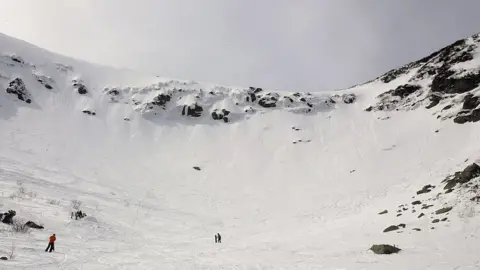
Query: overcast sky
297,45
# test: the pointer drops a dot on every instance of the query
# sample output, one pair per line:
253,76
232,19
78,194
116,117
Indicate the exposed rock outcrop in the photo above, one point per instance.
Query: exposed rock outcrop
17,87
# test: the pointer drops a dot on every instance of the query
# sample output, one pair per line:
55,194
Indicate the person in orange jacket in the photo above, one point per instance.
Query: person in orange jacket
51,243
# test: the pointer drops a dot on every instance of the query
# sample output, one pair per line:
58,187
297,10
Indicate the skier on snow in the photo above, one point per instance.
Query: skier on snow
51,243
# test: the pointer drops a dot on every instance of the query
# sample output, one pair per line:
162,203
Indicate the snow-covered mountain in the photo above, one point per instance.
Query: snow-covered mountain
290,180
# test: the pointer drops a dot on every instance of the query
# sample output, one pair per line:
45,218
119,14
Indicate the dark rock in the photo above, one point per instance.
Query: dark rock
384,249
220,114
258,90
289,99
303,99
193,110
470,172
436,131
89,112
8,216
416,202
470,102
443,210
391,228
421,215
17,87
197,168
16,58
402,225
161,100
449,190
48,86
444,219
126,119
416,229
425,189
434,100
349,98
369,109
82,89
444,83
427,206
473,116
3,258
33,225
268,102
475,199
436,220
225,119
405,90
450,185
448,107
113,92
383,212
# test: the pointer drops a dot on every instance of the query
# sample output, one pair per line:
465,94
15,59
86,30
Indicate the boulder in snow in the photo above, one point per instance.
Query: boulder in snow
443,210
33,225
391,228
384,249
17,87
81,88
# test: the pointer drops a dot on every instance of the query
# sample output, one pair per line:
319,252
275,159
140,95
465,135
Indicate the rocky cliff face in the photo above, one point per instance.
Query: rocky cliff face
445,82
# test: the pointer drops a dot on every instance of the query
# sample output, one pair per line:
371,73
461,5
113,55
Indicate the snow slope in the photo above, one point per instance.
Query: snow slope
293,185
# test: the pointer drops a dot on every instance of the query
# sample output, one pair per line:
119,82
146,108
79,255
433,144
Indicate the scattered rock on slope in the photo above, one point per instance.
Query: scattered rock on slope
161,100
470,172
193,110
464,117
3,258
383,212
17,87
425,189
416,202
89,112
384,249
81,88
349,98
33,225
443,210
8,217
220,115
268,101
197,168
470,102
391,228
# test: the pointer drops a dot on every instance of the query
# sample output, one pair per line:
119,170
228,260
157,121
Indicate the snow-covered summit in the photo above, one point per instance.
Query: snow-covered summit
31,73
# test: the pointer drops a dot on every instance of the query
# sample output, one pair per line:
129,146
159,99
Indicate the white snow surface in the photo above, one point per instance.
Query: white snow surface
312,204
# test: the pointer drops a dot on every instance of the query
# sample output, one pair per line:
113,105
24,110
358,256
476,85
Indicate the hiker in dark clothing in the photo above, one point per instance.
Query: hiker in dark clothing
219,238
216,238
51,243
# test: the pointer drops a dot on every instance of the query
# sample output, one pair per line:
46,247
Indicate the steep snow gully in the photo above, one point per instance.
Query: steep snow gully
290,180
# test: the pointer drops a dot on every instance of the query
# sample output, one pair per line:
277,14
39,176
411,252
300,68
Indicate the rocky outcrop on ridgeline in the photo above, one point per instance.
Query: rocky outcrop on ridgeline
450,76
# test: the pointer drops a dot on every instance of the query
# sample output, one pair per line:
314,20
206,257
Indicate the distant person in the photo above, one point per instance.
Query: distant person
219,238
216,238
51,243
